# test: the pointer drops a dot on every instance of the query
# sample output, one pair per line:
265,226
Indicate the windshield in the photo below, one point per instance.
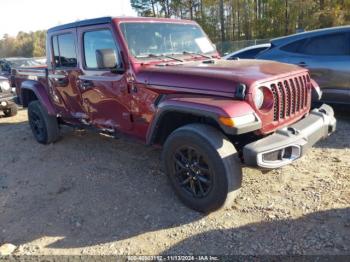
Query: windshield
161,39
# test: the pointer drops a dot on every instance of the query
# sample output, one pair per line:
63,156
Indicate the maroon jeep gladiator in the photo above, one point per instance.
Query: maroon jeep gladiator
163,82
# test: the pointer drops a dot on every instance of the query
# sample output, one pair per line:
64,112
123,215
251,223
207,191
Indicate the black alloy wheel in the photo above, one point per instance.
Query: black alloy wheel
37,125
44,126
203,167
193,171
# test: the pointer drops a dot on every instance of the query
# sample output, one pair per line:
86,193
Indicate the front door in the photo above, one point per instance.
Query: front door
104,92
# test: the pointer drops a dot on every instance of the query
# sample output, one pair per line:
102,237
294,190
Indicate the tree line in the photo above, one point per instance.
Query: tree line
232,20
24,44
223,20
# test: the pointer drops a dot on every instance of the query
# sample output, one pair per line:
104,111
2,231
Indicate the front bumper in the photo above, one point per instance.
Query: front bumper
6,100
290,143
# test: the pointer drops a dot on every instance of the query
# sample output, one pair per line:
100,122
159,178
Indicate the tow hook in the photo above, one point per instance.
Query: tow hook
293,130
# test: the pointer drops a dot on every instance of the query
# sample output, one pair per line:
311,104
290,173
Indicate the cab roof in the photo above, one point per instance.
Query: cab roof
109,19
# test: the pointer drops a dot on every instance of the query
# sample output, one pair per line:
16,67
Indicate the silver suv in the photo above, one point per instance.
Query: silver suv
325,52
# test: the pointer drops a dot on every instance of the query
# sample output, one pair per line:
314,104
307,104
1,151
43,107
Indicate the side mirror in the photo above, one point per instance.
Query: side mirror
107,59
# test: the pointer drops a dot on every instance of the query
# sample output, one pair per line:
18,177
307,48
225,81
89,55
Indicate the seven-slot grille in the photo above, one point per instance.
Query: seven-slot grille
290,96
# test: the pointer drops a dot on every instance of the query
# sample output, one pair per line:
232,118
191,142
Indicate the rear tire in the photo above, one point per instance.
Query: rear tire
44,127
200,154
11,111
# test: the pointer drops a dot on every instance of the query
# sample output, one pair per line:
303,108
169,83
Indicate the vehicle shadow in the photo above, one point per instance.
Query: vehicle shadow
84,190
319,233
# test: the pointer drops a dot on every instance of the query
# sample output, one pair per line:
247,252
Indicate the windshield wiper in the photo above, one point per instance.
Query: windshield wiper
171,57
161,55
194,53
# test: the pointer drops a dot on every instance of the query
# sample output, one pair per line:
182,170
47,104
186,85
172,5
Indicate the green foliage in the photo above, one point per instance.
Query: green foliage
24,44
231,20
223,20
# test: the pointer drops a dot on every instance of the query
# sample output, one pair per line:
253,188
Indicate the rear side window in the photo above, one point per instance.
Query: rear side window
64,50
95,43
294,47
332,45
249,53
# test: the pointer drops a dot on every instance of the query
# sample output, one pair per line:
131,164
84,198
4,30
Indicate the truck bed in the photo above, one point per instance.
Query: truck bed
28,73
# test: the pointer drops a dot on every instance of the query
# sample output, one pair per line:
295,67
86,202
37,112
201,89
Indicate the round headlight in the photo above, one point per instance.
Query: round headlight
263,98
5,85
259,97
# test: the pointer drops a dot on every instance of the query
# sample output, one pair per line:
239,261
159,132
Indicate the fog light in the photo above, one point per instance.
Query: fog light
3,103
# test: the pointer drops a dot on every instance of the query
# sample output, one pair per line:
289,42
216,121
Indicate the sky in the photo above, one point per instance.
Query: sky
32,15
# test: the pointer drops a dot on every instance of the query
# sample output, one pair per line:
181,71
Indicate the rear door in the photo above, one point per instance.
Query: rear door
63,75
105,94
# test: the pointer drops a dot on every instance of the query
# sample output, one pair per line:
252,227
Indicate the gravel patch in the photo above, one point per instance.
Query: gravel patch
89,194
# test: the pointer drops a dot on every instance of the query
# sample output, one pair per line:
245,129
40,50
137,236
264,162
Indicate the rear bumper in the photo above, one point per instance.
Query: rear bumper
290,143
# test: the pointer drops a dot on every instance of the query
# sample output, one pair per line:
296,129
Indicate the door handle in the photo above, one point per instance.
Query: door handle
85,84
61,80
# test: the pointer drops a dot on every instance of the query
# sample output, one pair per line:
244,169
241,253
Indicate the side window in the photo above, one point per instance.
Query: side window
64,50
332,45
251,53
100,50
294,47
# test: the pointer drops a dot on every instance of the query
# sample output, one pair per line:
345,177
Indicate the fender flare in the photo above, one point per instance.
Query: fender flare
40,92
200,109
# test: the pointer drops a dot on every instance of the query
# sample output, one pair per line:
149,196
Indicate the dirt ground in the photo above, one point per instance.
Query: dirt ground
89,194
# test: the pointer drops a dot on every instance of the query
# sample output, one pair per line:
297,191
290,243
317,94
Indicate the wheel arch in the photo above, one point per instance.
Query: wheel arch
174,111
169,118
33,90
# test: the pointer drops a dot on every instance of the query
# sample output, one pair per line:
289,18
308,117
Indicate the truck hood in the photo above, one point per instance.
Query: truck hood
221,76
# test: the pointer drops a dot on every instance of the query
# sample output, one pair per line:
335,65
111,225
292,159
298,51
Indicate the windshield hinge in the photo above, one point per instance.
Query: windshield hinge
240,91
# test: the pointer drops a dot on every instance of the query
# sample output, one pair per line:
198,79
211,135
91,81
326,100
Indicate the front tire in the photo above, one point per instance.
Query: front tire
11,111
44,127
203,167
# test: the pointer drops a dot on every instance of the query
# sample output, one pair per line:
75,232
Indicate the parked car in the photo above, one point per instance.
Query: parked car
15,62
11,63
40,60
249,52
7,104
5,68
161,81
325,52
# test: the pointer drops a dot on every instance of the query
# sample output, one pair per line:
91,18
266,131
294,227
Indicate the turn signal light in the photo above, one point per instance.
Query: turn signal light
237,121
227,121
